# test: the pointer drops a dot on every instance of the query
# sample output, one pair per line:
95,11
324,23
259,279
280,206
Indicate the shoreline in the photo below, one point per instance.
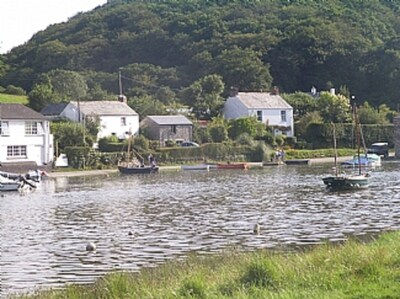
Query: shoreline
107,172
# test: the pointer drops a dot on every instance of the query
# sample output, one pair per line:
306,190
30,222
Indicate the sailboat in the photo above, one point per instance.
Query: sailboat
134,166
339,182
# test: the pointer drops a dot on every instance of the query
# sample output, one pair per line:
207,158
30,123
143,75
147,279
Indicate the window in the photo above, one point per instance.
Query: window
31,128
123,121
173,129
16,151
4,128
259,115
283,115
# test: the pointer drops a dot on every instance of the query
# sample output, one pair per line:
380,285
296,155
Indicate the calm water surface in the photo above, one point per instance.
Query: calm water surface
142,221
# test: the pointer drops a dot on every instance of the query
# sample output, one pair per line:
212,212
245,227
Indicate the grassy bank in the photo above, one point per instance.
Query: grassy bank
352,270
8,98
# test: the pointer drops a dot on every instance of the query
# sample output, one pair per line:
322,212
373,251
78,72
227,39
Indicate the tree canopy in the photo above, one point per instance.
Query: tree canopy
165,46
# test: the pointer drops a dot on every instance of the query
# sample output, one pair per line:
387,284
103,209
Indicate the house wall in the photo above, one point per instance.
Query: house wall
273,117
70,112
112,125
39,148
234,108
182,133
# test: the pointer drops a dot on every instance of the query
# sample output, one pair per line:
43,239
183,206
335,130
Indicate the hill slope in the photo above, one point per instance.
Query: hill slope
171,43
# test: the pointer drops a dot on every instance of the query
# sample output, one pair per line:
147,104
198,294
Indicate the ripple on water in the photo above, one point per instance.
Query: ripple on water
142,221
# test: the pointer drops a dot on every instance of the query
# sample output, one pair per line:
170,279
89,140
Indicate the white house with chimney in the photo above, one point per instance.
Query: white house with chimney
116,117
24,136
268,107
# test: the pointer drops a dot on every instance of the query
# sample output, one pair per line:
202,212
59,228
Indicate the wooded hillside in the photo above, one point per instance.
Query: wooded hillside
162,47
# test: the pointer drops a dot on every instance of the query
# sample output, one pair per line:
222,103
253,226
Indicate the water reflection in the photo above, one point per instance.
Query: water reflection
141,221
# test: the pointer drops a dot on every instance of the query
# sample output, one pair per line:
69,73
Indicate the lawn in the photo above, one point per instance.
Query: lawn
9,98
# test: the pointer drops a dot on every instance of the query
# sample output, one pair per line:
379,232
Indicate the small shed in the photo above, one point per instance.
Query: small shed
163,128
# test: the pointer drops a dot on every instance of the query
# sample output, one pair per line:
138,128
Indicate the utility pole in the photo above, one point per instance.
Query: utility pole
120,82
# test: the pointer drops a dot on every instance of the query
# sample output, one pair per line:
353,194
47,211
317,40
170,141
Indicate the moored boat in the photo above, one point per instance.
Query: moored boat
368,160
232,166
131,168
205,167
346,182
7,184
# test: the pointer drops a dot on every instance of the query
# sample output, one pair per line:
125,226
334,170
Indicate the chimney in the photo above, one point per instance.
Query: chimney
122,99
274,91
233,92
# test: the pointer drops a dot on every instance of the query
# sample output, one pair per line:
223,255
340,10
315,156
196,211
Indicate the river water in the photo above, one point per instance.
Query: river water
142,221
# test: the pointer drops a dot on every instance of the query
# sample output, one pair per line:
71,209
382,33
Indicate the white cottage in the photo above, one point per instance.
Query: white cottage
269,108
24,136
116,117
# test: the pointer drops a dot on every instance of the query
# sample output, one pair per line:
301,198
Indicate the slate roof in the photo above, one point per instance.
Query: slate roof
262,100
54,109
19,111
170,119
103,108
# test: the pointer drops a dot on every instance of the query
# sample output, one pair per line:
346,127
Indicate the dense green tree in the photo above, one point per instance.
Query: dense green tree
42,95
70,134
147,105
370,115
251,44
334,108
243,68
68,85
301,102
204,96
249,125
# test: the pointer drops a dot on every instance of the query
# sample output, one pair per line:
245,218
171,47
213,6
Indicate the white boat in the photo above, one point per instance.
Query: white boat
7,184
196,167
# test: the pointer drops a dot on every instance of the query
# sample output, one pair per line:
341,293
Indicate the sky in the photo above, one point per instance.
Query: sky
21,19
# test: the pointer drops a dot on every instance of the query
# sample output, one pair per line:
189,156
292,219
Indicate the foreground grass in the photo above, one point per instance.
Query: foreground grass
352,270
8,98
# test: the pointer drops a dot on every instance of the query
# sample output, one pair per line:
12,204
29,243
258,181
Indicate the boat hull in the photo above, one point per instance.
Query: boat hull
196,167
232,166
10,186
137,170
346,182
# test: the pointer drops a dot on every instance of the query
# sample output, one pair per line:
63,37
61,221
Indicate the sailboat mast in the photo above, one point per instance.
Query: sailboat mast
335,149
358,136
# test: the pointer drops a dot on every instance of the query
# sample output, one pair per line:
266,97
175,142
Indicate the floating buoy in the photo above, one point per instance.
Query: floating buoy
256,229
90,247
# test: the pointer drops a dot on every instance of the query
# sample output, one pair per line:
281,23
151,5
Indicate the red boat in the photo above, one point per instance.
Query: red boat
232,166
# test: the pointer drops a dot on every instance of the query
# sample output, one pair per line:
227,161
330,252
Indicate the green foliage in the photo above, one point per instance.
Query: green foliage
260,274
218,133
15,90
140,143
334,108
193,288
302,124
110,144
78,156
70,134
302,103
204,96
249,125
370,115
350,45
321,135
201,134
